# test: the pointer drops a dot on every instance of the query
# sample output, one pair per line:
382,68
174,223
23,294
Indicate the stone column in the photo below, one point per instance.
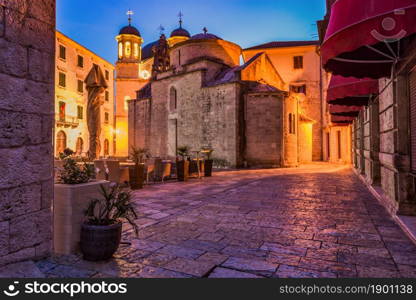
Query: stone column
389,174
372,144
405,181
27,56
359,143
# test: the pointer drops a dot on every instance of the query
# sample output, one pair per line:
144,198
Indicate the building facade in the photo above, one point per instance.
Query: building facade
299,64
206,99
384,143
73,63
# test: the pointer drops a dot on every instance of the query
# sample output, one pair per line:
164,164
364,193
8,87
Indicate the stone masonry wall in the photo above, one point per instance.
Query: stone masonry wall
27,56
206,117
264,130
388,138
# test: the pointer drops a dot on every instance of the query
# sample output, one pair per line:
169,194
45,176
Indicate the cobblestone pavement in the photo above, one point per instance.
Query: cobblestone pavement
314,221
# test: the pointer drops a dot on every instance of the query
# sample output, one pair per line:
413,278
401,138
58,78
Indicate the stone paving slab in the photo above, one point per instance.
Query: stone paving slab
314,221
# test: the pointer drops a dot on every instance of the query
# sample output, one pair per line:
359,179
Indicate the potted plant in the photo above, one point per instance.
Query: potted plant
138,155
72,191
101,232
182,164
208,162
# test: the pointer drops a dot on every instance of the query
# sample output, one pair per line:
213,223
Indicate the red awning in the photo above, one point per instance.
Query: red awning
351,91
365,38
344,110
342,119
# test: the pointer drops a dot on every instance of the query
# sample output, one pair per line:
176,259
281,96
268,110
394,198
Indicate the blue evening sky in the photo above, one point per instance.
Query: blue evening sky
95,23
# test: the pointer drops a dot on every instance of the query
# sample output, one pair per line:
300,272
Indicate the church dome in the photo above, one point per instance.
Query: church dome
130,30
205,36
147,51
180,32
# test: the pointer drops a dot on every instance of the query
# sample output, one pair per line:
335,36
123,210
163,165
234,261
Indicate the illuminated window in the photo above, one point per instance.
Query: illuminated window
128,49
62,108
126,103
298,62
120,50
136,50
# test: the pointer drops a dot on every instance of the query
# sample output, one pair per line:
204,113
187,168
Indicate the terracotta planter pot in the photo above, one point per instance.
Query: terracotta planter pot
208,167
69,205
100,242
182,169
136,175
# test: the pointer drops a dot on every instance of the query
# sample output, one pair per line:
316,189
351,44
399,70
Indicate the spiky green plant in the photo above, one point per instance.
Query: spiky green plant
183,151
114,206
138,155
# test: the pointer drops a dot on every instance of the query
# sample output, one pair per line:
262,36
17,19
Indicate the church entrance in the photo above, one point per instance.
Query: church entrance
172,137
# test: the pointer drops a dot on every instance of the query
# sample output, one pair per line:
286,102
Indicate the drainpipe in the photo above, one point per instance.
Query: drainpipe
321,95
297,130
283,131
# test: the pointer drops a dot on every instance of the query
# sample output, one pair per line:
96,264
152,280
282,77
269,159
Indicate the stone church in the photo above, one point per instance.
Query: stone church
197,93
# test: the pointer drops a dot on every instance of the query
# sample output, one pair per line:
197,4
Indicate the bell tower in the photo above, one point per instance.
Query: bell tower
128,81
129,51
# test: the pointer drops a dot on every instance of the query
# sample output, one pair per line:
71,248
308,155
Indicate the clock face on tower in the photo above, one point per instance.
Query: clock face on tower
145,74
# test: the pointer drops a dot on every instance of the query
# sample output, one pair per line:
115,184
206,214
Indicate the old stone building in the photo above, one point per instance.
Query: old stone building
27,56
382,42
73,63
299,64
247,113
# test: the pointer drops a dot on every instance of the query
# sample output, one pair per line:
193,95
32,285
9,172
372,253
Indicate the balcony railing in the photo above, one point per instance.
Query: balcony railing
65,121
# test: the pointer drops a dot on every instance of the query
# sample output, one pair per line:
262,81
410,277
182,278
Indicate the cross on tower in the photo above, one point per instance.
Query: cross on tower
180,15
161,29
130,13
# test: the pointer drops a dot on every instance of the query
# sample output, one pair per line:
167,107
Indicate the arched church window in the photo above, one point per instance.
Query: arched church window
79,146
60,142
173,101
120,50
106,147
128,49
